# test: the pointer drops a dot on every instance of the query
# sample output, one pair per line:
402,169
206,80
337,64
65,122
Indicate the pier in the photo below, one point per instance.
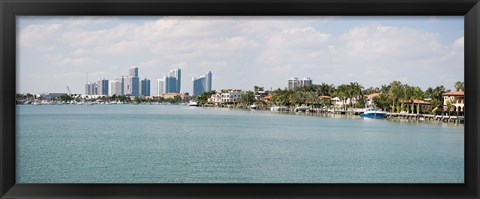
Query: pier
429,117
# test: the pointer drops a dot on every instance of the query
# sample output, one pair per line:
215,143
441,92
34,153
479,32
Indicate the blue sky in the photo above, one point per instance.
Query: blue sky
241,52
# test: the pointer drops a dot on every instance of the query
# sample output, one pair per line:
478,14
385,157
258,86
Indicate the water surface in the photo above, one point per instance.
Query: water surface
181,144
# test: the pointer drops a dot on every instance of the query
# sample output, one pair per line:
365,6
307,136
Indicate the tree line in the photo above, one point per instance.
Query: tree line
393,97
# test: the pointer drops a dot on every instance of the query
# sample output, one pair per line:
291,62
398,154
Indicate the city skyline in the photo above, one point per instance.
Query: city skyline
241,51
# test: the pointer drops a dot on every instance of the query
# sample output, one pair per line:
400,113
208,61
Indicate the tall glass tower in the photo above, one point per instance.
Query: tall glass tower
202,84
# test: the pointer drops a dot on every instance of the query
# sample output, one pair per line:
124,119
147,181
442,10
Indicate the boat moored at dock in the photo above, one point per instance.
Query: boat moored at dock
373,113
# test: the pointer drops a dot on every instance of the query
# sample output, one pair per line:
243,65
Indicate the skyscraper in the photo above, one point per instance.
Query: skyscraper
91,88
177,73
202,84
209,82
293,83
296,83
132,82
145,87
160,86
131,86
306,82
116,87
102,87
170,85
121,85
133,71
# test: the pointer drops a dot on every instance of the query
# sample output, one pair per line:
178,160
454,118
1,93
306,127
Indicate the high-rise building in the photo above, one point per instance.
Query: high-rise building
177,73
133,71
296,83
293,83
202,84
91,88
102,87
145,87
305,82
132,82
116,87
160,86
170,85
131,86
209,81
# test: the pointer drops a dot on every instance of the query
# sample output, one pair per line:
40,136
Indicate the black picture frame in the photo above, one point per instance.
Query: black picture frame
9,9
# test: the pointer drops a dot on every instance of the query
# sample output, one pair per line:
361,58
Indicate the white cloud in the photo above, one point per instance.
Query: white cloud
458,43
370,43
233,46
39,36
70,61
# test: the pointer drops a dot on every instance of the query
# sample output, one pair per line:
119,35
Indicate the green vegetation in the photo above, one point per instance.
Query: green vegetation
248,98
203,98
395,97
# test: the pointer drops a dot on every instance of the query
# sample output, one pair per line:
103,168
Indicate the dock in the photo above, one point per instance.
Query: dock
429,117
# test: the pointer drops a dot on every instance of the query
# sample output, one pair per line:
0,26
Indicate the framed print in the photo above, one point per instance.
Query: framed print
186,99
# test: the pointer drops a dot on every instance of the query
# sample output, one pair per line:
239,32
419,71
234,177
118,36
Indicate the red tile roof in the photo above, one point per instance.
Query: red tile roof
373,95
454,94
325,97
416,102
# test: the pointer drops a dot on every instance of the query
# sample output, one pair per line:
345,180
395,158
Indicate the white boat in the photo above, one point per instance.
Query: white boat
192,103
253,106
301,109
278,108
373,113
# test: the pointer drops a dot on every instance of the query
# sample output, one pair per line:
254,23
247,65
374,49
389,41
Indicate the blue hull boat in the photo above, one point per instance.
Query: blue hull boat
371,113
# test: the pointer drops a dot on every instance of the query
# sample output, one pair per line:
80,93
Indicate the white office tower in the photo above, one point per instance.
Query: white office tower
160,86
133,71
305,82
116,87
293,83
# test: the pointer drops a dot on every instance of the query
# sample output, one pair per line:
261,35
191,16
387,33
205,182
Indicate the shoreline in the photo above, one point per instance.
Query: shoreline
293,113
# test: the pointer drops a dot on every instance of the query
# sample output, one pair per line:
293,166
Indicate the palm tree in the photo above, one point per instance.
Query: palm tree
326,89
438,91
459,86
450,105
355,91
395,94
429,93
342,93
417,94
312,97
280,97
407,95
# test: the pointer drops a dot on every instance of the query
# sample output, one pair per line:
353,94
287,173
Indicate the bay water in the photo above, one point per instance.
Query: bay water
182,144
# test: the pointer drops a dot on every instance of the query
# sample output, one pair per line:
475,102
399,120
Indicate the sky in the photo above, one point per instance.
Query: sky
240,51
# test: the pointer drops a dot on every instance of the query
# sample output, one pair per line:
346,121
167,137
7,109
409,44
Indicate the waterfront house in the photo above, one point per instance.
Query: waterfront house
230,96
458,99
260,95
424,105
339,104
370,97
267,98
216,98
225,96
